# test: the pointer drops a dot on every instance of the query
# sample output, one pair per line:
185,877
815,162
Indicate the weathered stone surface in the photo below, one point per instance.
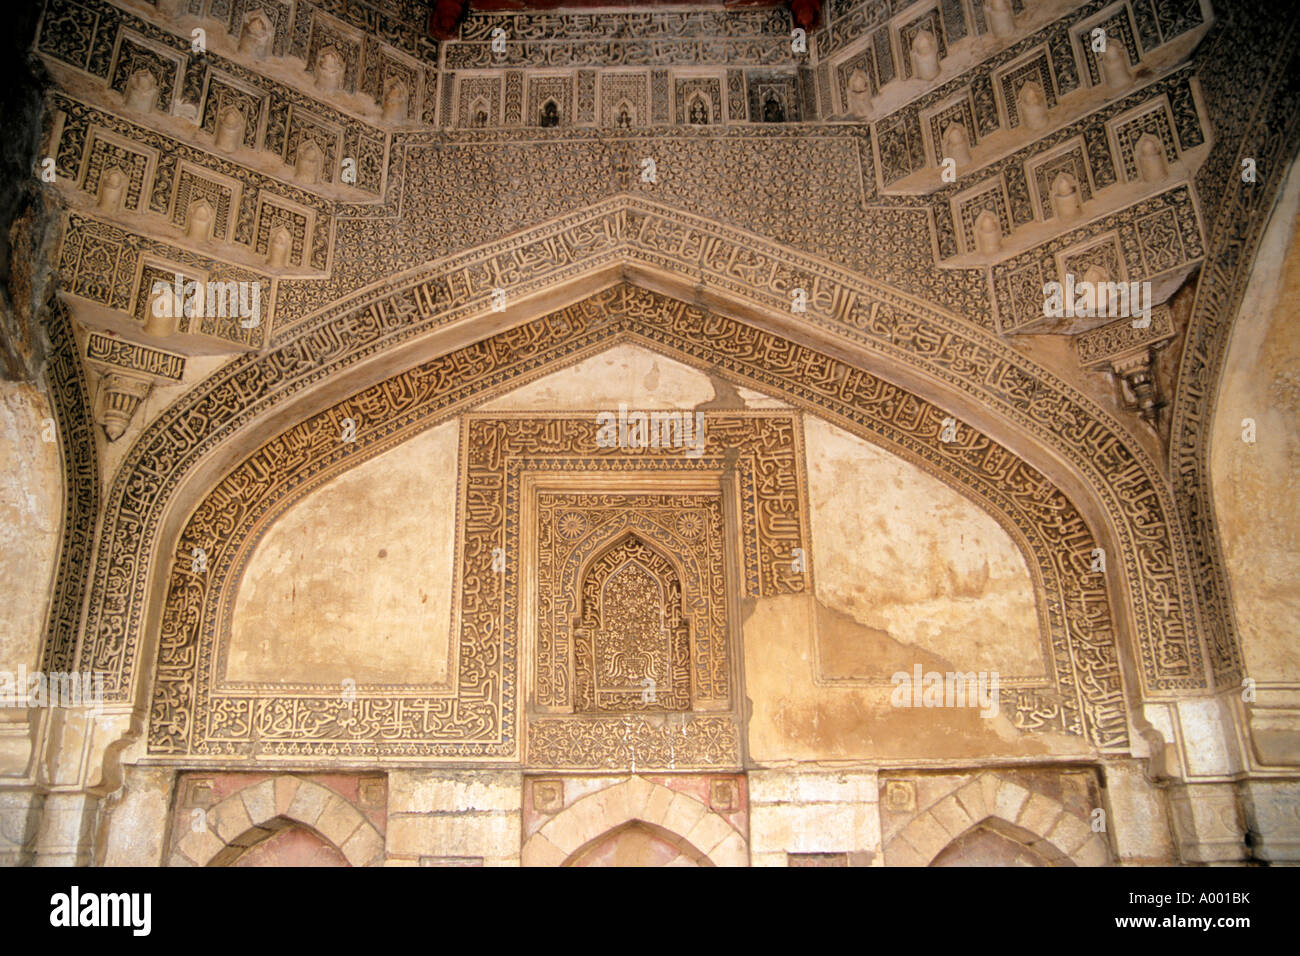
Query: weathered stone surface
31,509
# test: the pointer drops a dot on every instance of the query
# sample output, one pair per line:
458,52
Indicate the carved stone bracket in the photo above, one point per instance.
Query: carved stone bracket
128,371
1124,349
1138,386
119,395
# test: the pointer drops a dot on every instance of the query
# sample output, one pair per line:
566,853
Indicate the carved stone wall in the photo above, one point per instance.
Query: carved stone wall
504,460
861,231
1150,562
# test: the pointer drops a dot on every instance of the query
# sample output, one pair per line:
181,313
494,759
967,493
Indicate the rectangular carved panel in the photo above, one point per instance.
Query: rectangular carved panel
674,545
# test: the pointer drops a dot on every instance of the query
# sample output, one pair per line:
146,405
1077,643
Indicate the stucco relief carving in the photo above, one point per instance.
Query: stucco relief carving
374,326
1170,655
188,717
606,572
1263,128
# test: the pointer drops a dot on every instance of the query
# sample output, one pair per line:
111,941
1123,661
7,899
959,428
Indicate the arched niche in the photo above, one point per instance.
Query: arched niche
289,844
991,842
993,820
632,647
393,322
1254,453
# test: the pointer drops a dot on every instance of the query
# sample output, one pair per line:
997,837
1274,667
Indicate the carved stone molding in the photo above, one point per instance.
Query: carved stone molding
71,401
1264,127
108,352
1047,813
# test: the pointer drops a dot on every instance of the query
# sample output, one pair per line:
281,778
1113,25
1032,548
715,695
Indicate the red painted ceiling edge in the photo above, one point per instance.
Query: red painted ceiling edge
498,5
445,15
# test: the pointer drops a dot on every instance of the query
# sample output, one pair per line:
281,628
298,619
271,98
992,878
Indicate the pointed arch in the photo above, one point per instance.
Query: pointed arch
1039,822
628,583
259,811
687,855
884,343
574,830
479,113
626,532
1038,516
625,114
698,109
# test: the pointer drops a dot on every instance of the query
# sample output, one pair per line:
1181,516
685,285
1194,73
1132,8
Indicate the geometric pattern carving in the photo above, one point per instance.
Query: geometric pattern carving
1155,235
1071,162
774,95
277,14
1020,296
1098,346
302,128
954,20
346,44
1104,253
150,275
992,197
1154,120
107,151
660,98
707,88
224,94
900,145
297,222
629,88
736,101
961,112
907,33
844,72
135,54
220,196
1119,29
241,183
101,263
71,403
208,83
515,97
1160,235
1151,240
542,89
480,95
